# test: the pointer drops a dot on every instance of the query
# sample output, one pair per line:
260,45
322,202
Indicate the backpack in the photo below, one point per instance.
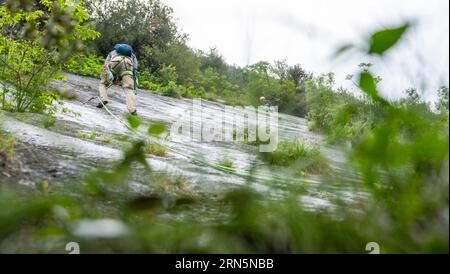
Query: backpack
124,49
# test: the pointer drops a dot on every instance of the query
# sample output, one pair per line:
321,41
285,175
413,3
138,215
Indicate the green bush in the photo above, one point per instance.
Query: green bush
338,113
86,65
170,90
31,57
30,87
168,75
144,84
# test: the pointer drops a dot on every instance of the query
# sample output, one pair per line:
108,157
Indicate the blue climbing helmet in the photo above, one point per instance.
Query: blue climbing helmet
124,49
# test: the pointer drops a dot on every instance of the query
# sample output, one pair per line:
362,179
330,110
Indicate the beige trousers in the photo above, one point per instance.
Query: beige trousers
126,80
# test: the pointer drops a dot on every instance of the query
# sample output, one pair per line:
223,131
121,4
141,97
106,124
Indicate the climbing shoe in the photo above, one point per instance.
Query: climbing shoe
100,105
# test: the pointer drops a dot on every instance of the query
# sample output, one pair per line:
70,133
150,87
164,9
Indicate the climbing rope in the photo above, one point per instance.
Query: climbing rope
236,171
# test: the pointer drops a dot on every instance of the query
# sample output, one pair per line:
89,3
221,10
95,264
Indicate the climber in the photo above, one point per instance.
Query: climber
265,103
120,65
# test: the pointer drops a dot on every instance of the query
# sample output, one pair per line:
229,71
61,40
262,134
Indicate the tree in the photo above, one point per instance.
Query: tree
213,60
442,103
36,37
298,75
150,28
178,55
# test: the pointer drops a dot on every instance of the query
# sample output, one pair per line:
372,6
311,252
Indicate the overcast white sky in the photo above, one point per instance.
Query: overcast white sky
309,31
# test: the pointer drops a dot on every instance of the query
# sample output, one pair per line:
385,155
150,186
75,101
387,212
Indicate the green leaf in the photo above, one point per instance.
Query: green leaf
134,121
156,129
368,85
384,39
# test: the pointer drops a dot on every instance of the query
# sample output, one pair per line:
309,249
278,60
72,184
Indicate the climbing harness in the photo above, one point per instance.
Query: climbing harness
117,63
128,71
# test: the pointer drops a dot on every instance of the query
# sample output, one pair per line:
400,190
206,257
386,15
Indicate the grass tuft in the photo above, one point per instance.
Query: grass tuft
156,149
7,149
226,162
309,159
49,121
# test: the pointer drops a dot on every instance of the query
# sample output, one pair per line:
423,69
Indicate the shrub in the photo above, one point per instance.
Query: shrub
144,84
86,65
171,90
337,113
31,57
28,69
